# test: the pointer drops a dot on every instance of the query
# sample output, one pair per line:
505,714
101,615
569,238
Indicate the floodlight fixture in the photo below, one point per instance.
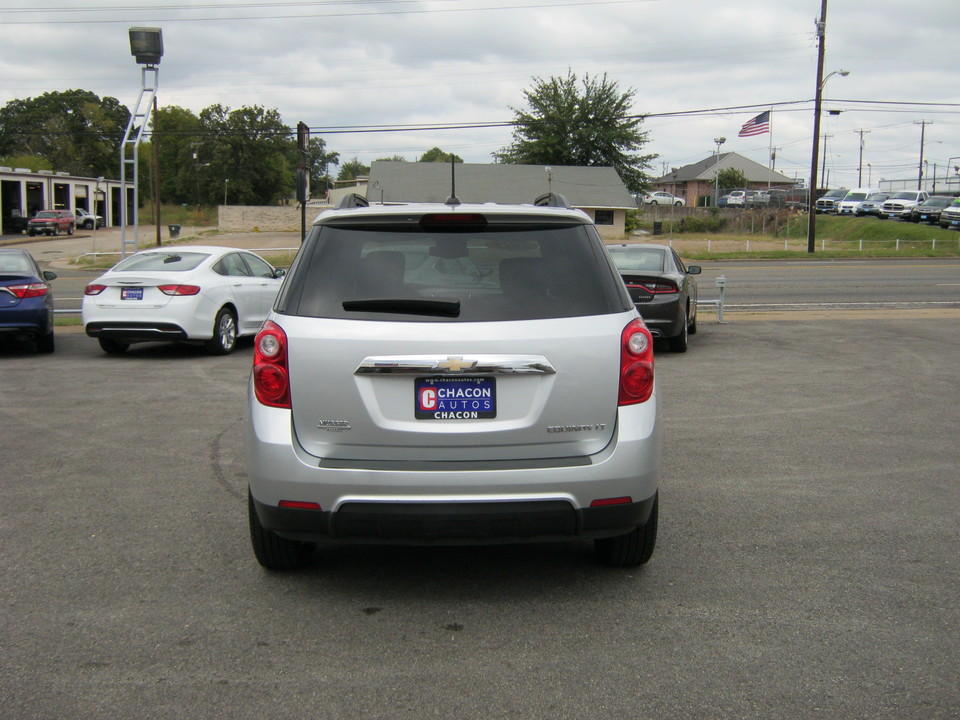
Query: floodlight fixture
146,45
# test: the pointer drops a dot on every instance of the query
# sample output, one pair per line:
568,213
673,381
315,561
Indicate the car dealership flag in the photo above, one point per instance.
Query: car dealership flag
756,126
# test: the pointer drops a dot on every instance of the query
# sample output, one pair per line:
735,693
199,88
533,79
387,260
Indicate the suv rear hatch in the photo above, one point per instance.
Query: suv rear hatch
478,312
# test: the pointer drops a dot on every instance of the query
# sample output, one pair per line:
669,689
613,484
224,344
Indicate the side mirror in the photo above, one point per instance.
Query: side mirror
694,270
279,272
48,275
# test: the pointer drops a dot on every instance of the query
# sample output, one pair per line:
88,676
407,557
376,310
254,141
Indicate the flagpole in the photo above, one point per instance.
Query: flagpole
770,148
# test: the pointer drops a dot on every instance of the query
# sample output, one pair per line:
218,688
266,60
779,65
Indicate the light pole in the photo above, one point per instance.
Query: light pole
716,175
146,45
226,184
818,99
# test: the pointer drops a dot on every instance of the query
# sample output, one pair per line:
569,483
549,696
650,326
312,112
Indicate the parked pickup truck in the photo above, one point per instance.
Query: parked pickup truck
902,202
14,223
86,220
52,222
827,203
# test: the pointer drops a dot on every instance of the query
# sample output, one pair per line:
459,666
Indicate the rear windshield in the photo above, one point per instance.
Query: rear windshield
499,272
163,261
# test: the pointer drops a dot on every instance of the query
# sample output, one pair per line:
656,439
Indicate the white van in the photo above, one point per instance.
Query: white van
851,201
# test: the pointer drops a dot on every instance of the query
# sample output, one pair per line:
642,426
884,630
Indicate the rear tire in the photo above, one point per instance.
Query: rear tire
46,343
634,548
678,343
113,347
271,550
224,338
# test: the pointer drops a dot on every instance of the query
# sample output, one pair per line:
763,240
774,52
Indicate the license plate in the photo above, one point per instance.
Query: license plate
455,398
924,217
131,293
955,222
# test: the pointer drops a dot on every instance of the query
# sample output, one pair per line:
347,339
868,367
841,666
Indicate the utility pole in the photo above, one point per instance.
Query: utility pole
860,165
923,129
818,99
155,141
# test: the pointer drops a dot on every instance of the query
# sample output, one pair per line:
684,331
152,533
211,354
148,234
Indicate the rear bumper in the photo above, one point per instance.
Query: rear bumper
454,523
24,319
136,331
453,502
662,317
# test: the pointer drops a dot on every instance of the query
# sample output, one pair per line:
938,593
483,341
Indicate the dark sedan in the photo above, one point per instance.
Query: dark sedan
662,288
929,210
26,302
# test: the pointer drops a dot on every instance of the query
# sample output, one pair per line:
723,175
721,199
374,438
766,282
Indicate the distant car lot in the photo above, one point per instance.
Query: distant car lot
809,526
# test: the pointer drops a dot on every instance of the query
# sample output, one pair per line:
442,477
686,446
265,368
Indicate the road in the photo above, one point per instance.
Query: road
807,563
838,284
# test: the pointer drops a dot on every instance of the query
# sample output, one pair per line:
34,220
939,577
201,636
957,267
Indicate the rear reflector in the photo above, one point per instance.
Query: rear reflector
604,502
299,505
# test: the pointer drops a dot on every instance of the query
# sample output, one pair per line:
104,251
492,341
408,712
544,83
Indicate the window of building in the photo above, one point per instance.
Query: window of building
603,217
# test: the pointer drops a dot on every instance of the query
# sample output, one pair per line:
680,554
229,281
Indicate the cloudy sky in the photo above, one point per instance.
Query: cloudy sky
699,68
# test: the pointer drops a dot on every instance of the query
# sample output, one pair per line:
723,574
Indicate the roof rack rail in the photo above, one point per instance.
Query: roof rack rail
353,200
552,199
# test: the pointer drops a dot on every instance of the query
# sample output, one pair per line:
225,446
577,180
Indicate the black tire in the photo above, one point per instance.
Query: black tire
88,224
46,343
634,548
224,338
271,550
678,343
692,327
678,203
56,231
654,202
71,229
113,347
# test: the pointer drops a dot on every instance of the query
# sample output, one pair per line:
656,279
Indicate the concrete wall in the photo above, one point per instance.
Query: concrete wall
262,218
286,218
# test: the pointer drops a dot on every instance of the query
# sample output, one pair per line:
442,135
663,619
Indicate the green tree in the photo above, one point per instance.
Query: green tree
580,123
177,134
32,162
318,162
75,131
437,155
731,179
248,151
352,169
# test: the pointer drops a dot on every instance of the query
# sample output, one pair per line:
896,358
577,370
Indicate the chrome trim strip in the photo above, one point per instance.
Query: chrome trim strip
455,365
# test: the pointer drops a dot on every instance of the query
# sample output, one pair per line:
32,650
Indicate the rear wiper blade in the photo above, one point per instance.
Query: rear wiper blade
441,307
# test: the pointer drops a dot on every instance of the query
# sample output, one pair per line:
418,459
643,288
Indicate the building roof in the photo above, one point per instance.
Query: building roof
707,169
583,187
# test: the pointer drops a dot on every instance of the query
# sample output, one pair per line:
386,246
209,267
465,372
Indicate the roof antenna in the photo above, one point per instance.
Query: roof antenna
453,199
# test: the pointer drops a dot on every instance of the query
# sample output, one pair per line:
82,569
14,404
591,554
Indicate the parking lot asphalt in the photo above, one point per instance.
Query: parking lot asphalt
807,563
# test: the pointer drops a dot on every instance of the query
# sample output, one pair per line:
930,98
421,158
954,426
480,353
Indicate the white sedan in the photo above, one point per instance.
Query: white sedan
207,295
662,198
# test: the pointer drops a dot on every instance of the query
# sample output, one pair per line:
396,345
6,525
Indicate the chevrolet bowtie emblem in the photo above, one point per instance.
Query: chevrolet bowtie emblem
456,364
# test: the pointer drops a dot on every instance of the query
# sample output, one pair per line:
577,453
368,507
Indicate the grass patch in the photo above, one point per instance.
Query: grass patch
836,237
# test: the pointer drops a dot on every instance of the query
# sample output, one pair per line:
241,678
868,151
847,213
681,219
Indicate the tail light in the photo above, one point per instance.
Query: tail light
271,378
28,291
658,287
179,289
636,364
94,289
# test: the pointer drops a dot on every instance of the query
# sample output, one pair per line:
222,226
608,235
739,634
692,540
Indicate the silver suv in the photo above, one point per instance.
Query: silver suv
451,373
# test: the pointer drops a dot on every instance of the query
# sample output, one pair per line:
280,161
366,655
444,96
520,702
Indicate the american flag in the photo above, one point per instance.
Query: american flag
756,126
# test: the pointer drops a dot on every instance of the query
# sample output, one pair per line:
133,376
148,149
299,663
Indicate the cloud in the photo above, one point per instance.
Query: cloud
396,62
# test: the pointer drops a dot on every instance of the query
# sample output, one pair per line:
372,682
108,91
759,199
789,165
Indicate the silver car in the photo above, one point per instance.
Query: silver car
453,374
